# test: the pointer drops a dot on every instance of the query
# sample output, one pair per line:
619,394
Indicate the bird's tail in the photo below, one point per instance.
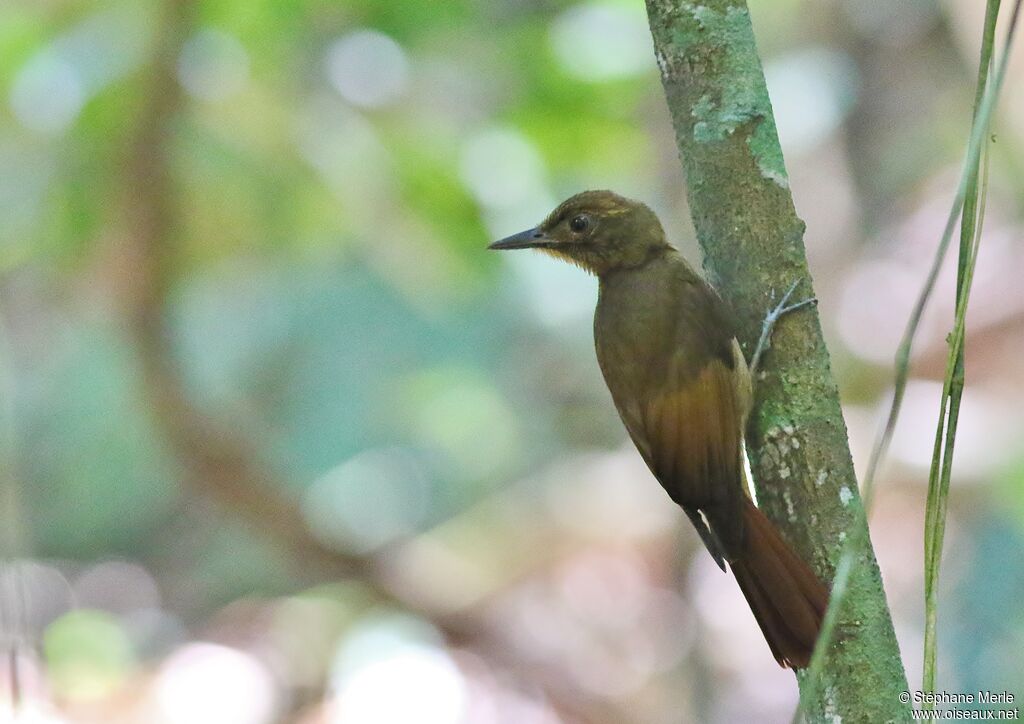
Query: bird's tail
787,598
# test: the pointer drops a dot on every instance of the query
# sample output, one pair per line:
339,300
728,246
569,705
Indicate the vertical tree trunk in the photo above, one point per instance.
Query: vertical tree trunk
753,244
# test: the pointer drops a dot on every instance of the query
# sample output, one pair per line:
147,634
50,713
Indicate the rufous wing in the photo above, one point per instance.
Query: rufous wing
693,426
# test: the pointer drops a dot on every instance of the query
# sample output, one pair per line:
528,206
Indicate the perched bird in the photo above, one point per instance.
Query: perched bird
666,344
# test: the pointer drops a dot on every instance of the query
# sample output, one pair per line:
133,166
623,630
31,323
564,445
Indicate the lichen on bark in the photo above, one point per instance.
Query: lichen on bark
745,100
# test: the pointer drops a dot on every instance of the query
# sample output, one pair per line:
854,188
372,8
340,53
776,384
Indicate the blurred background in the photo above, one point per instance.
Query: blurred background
281,442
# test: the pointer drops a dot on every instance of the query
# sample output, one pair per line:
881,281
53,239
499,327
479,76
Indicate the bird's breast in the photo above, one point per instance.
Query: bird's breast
632,329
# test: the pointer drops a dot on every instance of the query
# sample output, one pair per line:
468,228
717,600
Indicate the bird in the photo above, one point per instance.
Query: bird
667,348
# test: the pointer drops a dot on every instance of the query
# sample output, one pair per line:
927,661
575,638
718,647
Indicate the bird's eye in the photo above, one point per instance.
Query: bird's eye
579,223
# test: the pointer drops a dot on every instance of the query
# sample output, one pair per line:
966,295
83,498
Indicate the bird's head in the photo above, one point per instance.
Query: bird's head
599,231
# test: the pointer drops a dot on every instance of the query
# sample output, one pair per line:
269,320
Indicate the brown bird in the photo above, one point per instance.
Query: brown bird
667,347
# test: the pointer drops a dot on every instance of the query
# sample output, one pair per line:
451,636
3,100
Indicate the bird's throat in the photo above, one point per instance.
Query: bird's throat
562,255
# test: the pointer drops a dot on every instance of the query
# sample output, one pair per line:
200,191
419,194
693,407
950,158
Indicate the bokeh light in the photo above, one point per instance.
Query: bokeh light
213,65
386,674
368,68
600,41
88,654
368,501
203,683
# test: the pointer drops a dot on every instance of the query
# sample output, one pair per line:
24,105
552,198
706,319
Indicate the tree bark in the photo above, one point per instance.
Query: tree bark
752,240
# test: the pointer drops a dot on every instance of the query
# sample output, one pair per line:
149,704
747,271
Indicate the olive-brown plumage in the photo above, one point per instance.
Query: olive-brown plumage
667,348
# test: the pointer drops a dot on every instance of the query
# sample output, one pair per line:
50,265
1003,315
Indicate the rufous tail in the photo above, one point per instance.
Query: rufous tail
787,598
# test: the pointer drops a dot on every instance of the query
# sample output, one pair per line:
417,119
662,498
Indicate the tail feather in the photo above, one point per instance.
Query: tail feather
787,598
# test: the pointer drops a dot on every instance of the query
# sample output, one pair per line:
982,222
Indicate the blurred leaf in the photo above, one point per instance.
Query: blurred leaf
88,654
100,478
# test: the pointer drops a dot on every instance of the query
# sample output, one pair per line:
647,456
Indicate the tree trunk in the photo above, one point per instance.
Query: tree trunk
753,245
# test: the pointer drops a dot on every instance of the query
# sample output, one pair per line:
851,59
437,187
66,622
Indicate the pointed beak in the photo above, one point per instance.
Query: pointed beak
528,239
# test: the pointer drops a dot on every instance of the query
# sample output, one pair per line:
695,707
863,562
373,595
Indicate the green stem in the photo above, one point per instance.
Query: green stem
952,391
902,363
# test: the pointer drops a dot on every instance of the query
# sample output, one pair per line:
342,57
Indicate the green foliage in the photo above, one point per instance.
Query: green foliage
306,248
101,477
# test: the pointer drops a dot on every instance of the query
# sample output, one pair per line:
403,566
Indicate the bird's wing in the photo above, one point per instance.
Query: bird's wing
692,426
692,416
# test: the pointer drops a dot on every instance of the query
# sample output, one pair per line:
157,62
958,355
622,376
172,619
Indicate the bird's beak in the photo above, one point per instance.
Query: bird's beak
529,239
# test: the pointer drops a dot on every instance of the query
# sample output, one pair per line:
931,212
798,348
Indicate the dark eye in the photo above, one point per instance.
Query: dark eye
579,223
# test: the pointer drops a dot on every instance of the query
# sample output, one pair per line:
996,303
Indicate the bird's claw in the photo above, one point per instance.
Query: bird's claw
780,310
